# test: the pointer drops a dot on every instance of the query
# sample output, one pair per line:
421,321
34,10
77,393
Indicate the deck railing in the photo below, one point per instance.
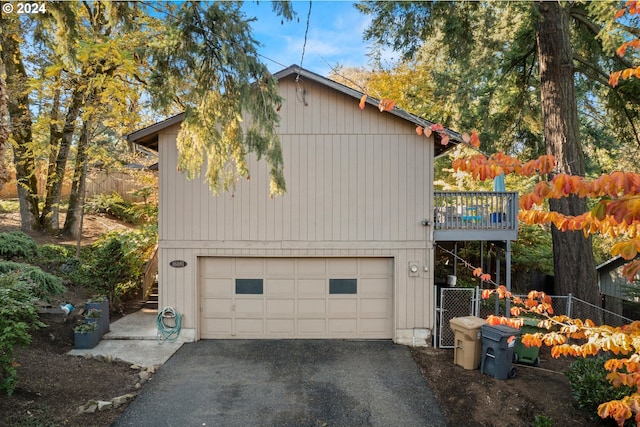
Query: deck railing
482,211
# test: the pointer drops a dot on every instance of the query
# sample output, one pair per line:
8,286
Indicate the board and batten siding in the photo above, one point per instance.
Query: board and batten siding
359,183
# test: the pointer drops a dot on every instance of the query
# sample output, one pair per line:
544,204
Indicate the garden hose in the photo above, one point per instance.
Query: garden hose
168,322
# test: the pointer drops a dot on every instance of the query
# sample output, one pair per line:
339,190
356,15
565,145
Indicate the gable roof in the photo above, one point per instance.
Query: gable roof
148,137
613,263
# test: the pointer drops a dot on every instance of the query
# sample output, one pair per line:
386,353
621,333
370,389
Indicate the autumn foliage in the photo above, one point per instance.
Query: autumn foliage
580,338
615,213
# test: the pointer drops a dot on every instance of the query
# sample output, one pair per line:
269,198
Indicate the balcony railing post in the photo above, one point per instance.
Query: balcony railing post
479,211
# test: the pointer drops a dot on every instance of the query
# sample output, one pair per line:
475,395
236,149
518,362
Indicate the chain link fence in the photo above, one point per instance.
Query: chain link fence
460,302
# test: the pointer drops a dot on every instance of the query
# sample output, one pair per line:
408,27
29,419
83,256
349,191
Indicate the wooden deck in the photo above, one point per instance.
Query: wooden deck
480,215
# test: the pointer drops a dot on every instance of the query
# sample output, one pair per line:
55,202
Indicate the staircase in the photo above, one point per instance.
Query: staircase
151,301
150,283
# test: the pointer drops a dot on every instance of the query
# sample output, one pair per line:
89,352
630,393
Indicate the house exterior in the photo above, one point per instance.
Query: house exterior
347,252
612,284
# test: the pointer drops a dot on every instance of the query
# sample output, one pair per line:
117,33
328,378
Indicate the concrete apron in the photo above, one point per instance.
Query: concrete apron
133,339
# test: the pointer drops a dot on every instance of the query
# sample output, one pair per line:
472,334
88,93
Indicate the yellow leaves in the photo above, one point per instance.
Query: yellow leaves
555,339
627,249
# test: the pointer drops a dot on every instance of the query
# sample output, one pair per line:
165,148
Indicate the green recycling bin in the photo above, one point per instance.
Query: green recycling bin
497,351
523,354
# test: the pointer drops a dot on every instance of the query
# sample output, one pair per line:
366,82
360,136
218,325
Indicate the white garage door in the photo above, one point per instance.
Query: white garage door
296,297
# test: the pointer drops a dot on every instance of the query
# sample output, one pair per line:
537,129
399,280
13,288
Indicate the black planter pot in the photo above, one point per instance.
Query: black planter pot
103,321
86,340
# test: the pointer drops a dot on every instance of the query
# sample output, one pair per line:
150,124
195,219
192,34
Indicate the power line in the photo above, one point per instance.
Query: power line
306,32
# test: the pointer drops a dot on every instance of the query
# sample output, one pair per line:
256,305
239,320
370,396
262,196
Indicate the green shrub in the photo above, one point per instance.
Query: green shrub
45,285
9,206
114,265
57,258
16,244
589,385
18,315
114,205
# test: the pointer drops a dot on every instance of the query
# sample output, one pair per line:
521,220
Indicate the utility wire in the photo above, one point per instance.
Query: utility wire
306,32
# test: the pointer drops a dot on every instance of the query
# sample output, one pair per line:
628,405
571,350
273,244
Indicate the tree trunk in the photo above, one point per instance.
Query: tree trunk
574,264
72,221
20,116
4,126
50,210
55,135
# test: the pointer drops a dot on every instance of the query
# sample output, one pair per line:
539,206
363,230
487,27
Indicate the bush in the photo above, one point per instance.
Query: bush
16,244
45,285
114,265
114,205
589,384
18,315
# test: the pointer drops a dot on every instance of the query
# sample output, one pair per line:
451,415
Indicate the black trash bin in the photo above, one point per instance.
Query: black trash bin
497,351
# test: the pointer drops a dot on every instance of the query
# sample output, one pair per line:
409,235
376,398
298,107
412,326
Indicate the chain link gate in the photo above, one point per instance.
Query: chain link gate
454,302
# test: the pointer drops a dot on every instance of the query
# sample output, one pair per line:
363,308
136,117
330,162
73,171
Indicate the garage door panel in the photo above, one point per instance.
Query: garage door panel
281,287
312,307
347,267
285,327
215,305
374,305
340,306
312,327
375,326
343,326
217,267
249,326
249,267
217,288
296,298
253,306
312,287
216,326
281,306
312,266
281,267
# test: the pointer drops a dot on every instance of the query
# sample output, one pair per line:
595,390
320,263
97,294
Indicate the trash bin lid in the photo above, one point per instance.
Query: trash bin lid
498,332
467,322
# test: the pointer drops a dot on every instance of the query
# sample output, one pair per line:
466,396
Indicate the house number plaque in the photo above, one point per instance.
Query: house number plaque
178,263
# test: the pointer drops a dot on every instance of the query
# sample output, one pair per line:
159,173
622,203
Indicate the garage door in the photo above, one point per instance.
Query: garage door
296,297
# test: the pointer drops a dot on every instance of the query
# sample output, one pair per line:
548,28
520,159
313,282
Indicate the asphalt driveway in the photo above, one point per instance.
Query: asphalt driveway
286,383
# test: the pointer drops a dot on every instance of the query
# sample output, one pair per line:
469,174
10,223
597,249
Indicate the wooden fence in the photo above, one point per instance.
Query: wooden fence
98,182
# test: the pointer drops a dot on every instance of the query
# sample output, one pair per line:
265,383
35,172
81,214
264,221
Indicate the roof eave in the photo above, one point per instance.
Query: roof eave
148,137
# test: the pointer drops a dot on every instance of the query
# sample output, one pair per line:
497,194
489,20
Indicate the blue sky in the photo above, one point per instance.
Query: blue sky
334,37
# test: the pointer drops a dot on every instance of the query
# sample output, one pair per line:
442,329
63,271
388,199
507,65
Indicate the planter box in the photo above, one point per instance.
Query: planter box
85,340
103,321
